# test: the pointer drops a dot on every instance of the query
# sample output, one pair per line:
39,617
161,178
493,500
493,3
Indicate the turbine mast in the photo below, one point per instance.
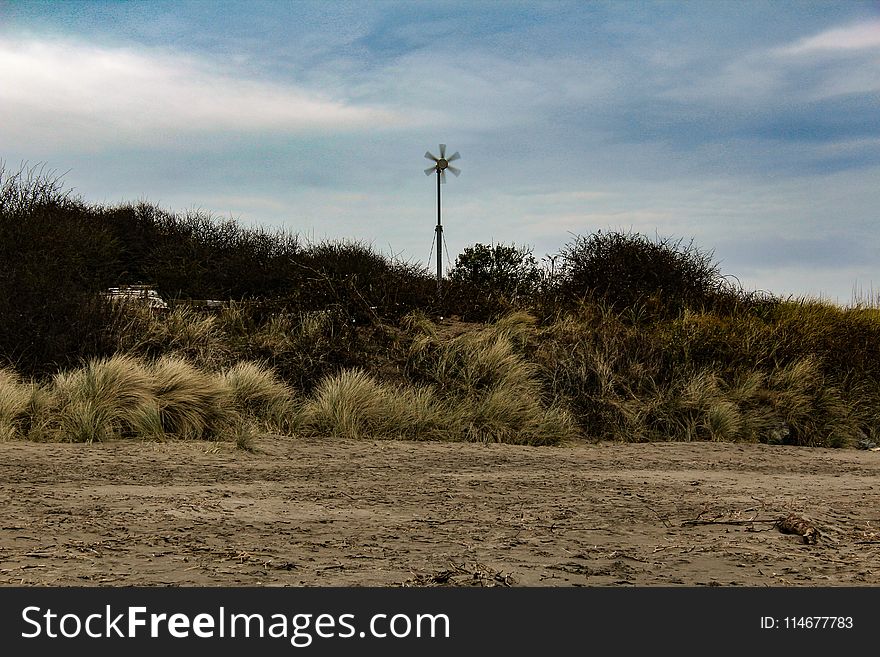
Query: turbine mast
441,165
439,231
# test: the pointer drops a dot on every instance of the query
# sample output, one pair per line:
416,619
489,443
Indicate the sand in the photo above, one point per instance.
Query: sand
329,512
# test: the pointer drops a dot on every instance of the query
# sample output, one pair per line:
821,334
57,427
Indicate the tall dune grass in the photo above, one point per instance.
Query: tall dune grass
709,376
255,390
354,404
191,403
125,397
782,375
183,332
95,402
491,390
15,398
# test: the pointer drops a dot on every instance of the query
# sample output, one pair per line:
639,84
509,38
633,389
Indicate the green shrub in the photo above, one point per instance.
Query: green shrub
490,280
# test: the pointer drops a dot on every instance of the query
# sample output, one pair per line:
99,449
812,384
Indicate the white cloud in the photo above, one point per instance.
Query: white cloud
836,62
55,92
858,36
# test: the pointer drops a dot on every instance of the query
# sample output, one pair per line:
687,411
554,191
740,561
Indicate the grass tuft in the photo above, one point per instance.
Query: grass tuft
256,391
353,404
192,404
95,402
15,400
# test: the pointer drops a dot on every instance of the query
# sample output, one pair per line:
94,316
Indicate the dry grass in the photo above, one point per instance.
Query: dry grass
255,390
184,332
192,404
95,402
704,376
492,392
122,397
354,404
15,398
594,373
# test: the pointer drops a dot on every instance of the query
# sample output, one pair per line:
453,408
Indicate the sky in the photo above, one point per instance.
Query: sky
751,129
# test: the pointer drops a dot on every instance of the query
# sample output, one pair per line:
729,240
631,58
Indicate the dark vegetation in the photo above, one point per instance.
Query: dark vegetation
625,338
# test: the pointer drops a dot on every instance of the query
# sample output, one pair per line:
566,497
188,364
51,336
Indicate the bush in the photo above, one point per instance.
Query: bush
628,270
487,281
55,258
196,256
351,276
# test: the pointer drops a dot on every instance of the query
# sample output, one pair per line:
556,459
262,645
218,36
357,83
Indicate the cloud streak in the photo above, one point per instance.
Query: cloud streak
71,92
857,36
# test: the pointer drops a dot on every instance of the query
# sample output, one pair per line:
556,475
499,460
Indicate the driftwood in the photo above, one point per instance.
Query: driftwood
793,524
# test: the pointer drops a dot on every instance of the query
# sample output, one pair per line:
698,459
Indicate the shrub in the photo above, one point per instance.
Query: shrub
488,280
196,256
55,258
351,276
628,269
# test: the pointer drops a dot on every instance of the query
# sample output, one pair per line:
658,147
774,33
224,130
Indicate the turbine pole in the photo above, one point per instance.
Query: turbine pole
439,231
441,165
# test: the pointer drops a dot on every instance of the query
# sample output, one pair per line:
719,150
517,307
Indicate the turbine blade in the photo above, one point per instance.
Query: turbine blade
429,156
453,157
455,171
442,151
442,177
430,170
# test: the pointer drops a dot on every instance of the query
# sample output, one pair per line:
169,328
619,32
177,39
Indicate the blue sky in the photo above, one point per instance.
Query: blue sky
752,128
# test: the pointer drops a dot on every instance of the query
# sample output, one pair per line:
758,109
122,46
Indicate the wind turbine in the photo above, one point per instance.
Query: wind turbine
441,165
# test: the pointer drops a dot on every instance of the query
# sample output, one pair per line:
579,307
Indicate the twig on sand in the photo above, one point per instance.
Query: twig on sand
663,519
729,522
